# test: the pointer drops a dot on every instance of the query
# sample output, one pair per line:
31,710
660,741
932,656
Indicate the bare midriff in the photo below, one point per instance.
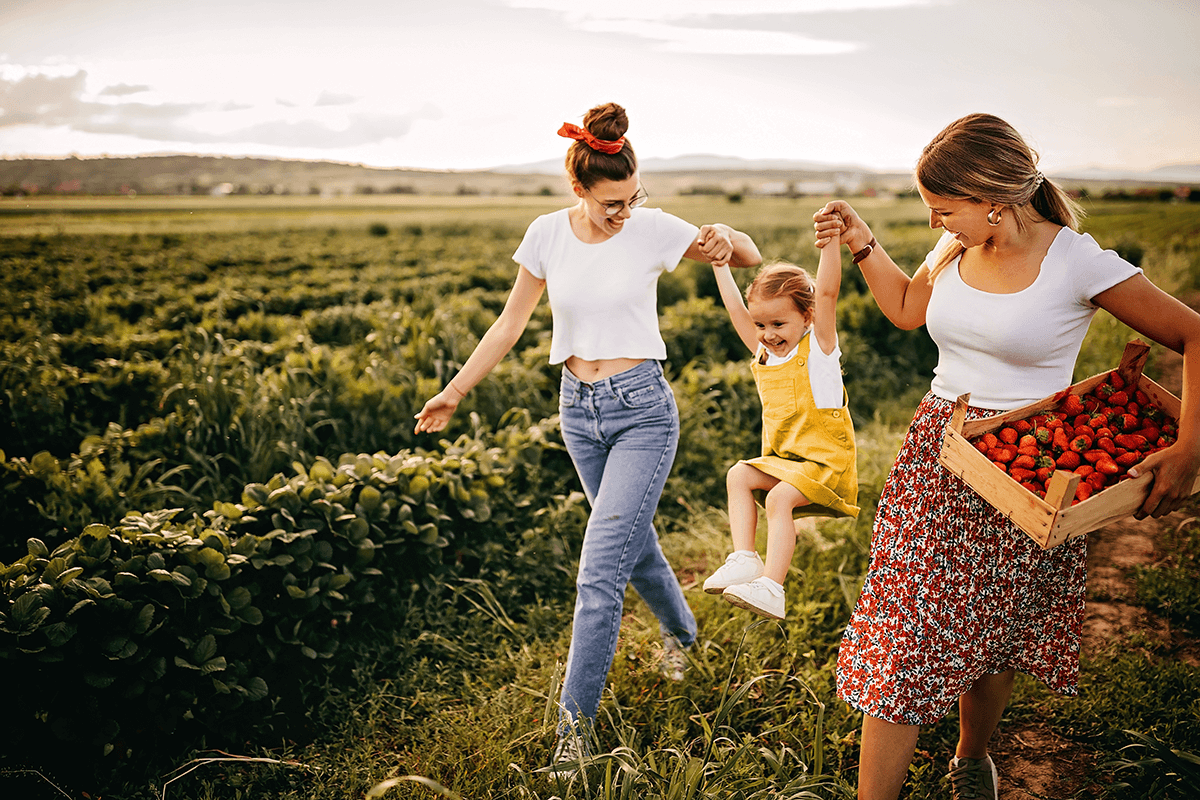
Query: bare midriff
592,371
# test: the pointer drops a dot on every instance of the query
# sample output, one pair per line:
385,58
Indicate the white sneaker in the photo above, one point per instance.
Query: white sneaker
674,659
569,754
763,596
741,566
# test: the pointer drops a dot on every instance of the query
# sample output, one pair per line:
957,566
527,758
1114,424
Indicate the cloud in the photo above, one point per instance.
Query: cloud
712,27
123,90
726,41
335,99
53,100
684,9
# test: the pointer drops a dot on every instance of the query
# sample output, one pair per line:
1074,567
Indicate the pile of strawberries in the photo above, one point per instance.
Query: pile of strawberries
1099,435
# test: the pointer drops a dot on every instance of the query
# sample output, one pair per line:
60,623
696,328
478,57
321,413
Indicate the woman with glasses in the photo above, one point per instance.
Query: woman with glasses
599,261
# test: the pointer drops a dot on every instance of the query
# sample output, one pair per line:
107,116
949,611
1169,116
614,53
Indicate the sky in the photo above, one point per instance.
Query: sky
475,84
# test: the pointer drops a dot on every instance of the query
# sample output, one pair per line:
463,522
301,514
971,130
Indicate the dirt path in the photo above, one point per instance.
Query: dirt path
1035,763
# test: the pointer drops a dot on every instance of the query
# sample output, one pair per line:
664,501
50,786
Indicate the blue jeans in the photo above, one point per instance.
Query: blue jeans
622,433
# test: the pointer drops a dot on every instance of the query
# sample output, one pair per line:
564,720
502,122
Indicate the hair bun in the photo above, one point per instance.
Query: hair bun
607,121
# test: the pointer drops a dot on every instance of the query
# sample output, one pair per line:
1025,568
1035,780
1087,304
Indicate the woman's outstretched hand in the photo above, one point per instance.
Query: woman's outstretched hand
436,413
837,222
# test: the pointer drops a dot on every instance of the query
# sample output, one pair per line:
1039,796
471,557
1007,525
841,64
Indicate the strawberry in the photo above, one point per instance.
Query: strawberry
1153,413
1043,473
1092,456
1128,423
1068,460
1002,454
1042,434
1059,440
1029,440
1116,380
1021,462
1107,466
1009,435
1081,420
1150,432
1141,397
1021,475
1118,398
1081,443
1023,426
1128,459
1083,470
981,446
1083,491
1029,451
1071,405
991,440
1106,444
1104,391
1165,441
1130,441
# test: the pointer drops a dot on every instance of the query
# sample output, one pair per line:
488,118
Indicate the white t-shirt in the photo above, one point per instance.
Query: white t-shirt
1008,350
603,296
824,371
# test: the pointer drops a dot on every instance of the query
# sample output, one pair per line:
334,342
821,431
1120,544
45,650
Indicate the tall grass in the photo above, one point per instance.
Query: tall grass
456,697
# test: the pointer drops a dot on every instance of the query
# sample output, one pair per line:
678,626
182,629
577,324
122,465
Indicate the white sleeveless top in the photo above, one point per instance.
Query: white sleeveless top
1008,350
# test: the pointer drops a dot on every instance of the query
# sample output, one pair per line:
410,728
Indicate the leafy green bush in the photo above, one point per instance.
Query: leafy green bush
153,624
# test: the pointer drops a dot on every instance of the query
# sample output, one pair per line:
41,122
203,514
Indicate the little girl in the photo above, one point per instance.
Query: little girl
807,466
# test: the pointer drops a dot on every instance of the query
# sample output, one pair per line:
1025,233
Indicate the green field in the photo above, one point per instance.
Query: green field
222,534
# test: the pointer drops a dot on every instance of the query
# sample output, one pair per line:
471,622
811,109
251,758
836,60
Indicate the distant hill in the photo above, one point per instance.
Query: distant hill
702,174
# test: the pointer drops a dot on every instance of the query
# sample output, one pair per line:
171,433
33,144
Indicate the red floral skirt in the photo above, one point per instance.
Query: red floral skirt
954,591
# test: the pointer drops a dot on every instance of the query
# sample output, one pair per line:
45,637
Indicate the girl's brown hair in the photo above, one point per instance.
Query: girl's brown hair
586,166
781,279
982,158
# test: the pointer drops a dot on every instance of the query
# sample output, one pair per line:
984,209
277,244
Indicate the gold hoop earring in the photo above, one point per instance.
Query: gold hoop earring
996,221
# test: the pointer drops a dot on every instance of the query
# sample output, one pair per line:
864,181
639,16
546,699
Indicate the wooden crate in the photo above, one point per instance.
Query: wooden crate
1052,521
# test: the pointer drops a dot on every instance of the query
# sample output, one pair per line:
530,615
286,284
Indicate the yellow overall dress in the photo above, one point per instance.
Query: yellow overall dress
810,448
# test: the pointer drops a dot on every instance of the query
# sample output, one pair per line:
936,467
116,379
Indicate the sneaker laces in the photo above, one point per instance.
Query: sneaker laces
968,779
674,661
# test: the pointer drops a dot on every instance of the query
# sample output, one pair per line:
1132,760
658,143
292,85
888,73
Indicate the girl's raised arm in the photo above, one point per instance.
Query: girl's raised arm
739,315
903,300
825,295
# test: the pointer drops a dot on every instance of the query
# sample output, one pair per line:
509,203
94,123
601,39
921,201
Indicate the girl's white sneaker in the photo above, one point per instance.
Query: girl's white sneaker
741,566
763,596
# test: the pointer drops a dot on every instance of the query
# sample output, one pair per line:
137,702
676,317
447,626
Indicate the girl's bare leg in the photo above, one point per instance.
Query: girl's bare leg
887,750
782,500
740,482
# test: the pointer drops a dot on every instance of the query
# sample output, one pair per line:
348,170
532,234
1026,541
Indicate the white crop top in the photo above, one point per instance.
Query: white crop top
1008,350
603,297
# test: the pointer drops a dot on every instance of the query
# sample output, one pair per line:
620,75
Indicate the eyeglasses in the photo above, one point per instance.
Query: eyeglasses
612,209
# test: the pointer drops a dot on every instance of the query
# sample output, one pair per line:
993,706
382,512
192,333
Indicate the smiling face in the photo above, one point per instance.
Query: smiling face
779,323
595,201
966,219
